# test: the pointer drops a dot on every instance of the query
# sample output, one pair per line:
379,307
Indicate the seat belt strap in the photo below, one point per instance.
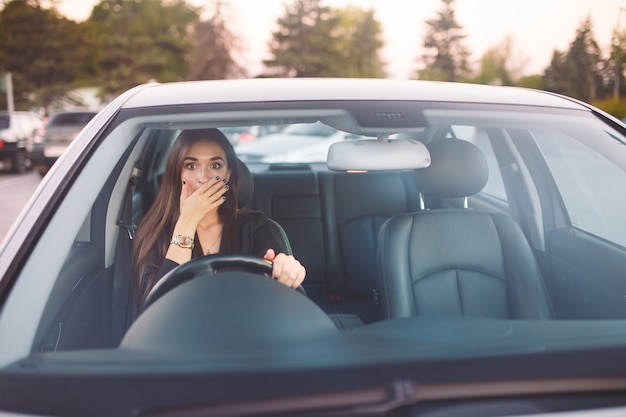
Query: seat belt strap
121,278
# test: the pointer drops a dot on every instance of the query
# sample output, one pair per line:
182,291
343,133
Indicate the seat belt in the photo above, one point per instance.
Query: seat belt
121,278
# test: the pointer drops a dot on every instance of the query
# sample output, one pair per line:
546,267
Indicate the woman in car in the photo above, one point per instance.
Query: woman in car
196,214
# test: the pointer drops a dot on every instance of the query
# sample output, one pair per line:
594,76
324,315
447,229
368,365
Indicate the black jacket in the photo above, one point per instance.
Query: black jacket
254,235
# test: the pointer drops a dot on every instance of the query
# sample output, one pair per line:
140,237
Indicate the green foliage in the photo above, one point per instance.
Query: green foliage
613,106
128,42
446,58
141,41
530,81
316,41
42,50
500,65
579,72
304,45
359,42
617,62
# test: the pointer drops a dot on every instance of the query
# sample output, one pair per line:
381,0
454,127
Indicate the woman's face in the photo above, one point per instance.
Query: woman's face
204,161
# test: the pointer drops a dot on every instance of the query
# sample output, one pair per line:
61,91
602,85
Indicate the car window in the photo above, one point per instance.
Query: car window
299,143
478,136
309,129
71,119
591,185
5,121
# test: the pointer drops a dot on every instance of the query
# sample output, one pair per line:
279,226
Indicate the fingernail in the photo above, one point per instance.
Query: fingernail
217,178
184,182
226,187
224,180
224,197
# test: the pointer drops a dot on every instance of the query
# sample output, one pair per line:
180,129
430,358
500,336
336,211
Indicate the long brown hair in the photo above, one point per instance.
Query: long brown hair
156,228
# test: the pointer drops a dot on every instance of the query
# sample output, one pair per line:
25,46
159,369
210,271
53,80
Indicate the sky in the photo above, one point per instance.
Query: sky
537,27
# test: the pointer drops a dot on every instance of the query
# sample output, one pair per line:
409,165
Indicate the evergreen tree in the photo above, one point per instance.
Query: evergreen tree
617,61
446,58
556,76
360,43
305,45
580,72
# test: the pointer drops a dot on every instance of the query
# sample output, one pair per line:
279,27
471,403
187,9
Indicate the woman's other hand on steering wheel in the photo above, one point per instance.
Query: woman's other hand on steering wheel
286,269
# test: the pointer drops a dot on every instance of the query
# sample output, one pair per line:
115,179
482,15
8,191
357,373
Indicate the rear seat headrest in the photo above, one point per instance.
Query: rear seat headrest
458,169
245,186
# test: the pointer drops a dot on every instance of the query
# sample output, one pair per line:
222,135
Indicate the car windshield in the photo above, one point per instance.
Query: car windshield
298,143
446,241
68,119
309,129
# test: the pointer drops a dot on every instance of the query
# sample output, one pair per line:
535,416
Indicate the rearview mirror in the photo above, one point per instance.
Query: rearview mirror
377,155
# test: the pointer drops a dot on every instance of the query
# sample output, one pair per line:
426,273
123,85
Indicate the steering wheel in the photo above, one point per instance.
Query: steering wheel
207,264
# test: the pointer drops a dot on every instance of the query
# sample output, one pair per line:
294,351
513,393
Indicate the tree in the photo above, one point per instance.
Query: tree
446,58
530,81
580,72
359,42
42,50
304,44
617,61
500,65
141,41
214,45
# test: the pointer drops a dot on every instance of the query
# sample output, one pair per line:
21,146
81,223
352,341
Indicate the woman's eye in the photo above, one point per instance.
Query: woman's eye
190,165
216,165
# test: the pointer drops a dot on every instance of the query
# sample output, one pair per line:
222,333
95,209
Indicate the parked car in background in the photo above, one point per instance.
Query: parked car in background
300,142
245,134
468,260
17,134
58,133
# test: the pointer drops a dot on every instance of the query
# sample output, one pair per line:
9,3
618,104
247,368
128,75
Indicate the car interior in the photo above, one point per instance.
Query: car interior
473,235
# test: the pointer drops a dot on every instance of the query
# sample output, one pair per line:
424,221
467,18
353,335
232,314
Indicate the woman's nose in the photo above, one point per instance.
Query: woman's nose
203,175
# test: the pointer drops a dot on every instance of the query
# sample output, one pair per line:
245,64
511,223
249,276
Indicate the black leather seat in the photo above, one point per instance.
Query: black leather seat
356,206
245,191
458,261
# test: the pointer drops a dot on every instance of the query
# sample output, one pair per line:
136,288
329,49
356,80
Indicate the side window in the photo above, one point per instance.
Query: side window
591,186
478,136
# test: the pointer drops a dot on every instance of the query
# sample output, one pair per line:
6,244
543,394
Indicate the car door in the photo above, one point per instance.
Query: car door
586,251
571,220
578,230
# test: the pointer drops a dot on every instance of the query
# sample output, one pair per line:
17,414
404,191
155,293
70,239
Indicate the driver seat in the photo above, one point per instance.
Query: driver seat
458,261
245,191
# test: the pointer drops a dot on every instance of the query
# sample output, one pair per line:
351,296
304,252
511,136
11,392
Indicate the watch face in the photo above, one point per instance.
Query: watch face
185,241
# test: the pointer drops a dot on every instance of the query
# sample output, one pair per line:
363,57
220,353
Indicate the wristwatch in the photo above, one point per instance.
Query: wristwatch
183,241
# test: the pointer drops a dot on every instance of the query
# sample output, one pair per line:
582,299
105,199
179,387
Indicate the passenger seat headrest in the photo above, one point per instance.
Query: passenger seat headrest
245,187
458,169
